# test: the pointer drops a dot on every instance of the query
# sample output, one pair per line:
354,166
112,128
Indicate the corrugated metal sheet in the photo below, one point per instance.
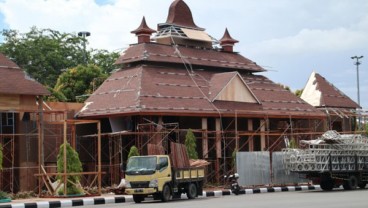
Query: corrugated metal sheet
253,168
179,155
279,173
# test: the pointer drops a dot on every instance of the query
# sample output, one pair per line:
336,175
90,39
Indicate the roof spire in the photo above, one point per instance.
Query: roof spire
227,42
180,15
143,32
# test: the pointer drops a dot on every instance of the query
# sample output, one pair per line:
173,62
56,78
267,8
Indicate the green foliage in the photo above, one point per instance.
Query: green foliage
293,144
3,195
23,195
45,54
190,143
104,59
1,157
299,92
233,157
284,86
366,129
70,190
77,82
74,165
133,151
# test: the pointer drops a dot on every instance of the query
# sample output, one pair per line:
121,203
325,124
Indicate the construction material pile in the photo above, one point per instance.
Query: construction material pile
330,152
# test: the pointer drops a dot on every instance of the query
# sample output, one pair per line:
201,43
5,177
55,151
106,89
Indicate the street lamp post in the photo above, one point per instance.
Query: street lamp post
84,34
357,63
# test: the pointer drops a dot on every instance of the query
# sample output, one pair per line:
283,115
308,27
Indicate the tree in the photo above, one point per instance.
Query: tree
233,157
299,92
45,53
74,165
293,144
190,143
133,151
78,82
104,59
284,86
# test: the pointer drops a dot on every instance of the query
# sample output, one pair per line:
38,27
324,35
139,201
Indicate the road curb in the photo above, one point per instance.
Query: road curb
123,199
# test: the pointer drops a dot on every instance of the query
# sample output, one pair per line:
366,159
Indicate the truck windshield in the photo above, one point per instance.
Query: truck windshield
141,165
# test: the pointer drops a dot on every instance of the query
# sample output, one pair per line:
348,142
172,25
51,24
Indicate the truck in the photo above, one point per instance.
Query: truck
331,160
155,176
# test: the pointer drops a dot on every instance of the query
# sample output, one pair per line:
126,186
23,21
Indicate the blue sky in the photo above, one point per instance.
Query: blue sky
289,38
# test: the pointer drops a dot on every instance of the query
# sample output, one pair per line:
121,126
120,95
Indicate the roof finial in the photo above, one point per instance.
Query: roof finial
227,42
143,32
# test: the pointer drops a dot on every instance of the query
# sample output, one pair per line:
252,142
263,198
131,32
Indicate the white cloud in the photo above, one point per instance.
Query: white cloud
314,41
109,24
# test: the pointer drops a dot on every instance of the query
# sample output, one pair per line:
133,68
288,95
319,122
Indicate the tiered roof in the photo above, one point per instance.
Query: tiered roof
176,77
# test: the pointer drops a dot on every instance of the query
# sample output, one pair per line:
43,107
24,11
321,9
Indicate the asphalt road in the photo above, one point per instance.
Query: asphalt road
301,199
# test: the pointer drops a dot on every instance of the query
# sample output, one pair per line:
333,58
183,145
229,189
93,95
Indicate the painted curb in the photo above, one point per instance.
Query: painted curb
123,199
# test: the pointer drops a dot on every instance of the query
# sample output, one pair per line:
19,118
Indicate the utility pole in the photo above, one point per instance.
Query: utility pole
357,63
84,34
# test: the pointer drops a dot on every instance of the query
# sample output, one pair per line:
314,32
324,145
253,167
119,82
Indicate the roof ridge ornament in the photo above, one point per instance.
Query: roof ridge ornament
227,42
143,32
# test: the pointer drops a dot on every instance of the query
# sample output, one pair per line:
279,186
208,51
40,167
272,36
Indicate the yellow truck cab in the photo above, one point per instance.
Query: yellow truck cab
154,175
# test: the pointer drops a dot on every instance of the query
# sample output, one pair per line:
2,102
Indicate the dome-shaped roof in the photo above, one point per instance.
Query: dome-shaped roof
180,15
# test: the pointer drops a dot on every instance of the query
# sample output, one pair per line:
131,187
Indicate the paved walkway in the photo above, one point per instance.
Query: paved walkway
111,198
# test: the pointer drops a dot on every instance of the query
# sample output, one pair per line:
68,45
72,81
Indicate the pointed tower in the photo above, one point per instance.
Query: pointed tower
143,32
227,42
180,28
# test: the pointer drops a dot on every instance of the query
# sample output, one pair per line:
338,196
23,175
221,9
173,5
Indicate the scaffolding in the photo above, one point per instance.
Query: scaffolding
217,140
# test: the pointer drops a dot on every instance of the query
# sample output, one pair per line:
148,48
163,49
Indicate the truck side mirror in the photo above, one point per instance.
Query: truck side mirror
158,167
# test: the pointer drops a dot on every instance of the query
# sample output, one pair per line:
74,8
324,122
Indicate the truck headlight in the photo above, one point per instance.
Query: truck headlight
153,183
127,184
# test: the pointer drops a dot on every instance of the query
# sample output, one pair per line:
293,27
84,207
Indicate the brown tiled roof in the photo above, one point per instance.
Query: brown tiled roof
7,63
202,57
331,96
143,28
180,15
278,101
14,80
172,91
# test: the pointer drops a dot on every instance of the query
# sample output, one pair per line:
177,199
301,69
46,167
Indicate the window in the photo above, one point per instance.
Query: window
163,163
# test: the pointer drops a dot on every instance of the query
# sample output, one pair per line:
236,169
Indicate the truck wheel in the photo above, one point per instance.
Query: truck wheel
327,183
138,198
192,191
351,183
166,193
362,184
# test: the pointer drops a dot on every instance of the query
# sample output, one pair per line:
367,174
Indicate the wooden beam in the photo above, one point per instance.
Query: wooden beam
205,137
250,135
